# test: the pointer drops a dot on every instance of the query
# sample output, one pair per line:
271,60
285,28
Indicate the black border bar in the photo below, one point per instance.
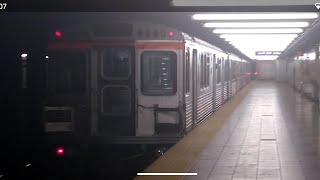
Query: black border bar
137,6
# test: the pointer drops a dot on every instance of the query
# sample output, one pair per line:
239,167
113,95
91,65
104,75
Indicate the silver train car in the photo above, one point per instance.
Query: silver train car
134,83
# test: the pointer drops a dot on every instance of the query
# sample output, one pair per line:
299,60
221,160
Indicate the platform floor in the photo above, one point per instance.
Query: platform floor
272,134
268,132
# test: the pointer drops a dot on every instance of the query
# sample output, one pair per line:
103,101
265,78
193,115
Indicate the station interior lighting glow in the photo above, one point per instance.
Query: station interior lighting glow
256,24
252,32
254,16
265,36
258,31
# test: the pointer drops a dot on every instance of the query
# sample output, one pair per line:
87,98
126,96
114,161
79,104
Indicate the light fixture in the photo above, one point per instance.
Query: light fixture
260,40
263,47
266,36
261,43
255,24
254,16
258,31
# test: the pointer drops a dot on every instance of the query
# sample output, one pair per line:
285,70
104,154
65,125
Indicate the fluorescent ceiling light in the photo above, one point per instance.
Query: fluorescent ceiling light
252,16
266,44
259,36
261,42
257,31
260,49
265,57
270,44
257,24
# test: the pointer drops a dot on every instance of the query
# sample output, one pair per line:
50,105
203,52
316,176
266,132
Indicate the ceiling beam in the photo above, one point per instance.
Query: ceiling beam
304,42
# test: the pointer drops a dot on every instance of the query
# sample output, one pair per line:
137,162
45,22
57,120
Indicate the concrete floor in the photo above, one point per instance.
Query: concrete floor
272,135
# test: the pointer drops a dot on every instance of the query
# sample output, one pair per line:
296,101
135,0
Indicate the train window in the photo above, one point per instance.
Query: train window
116,99
213,63
202,71
67,72
159,73
233,70
226,69
237,70
116,62
194,60
187,71
204,68
218,67
207,71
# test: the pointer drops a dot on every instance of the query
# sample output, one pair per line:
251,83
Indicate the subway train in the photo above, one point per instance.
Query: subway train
133,83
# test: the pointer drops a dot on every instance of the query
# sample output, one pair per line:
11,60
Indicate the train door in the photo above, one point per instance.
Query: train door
67,97
195,84
188,89
116,89
159,77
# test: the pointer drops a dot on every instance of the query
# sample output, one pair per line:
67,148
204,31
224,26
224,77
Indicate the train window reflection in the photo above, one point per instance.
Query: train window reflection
67,72
159,73
116,62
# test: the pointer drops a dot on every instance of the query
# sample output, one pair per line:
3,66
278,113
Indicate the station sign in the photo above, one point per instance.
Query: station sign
268,53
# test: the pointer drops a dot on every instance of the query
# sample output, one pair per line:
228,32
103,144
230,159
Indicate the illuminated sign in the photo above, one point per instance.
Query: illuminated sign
268,53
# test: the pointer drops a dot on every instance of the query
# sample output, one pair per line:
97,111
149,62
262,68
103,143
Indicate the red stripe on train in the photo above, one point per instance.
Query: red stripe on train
139,45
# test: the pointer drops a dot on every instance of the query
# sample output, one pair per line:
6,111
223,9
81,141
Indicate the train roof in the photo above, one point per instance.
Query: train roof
128,30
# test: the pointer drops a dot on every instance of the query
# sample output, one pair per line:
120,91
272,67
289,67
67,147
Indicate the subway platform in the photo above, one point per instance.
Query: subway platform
266,132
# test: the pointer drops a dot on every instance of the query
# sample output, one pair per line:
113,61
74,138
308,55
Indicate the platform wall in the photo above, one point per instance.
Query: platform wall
266,70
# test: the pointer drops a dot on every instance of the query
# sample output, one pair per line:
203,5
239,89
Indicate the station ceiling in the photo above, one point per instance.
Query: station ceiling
42,24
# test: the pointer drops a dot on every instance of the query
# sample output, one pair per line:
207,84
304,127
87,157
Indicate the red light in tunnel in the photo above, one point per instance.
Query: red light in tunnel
171,34
58,34
60,151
